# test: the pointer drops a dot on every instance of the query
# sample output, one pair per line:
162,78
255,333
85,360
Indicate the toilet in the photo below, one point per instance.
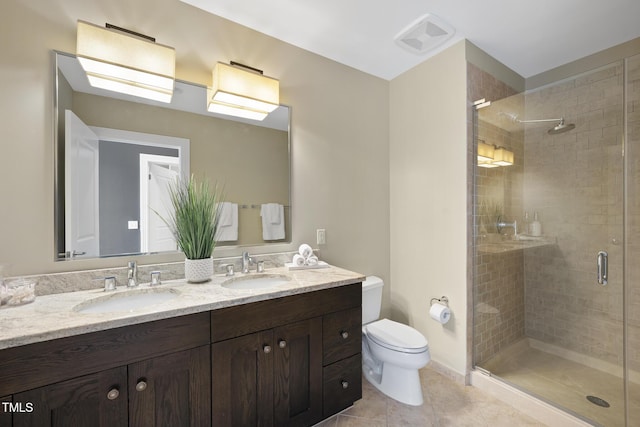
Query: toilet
392,353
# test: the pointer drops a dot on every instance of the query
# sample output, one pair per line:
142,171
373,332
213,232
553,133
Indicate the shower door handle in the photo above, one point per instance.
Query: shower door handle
603,267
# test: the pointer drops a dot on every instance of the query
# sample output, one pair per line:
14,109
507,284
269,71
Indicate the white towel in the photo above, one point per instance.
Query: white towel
227,222
312,261
273,212
272,221
305,250
298,260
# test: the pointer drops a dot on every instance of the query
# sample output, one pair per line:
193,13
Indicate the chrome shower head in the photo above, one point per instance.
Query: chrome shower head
561,127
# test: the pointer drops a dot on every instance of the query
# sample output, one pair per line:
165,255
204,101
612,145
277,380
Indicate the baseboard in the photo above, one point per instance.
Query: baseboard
449,373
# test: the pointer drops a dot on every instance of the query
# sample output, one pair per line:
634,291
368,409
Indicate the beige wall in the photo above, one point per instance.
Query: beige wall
340,130
428,175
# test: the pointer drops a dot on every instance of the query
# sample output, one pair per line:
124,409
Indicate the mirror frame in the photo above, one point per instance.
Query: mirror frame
58,180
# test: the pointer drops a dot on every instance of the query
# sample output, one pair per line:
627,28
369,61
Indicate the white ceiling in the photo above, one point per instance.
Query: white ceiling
528,36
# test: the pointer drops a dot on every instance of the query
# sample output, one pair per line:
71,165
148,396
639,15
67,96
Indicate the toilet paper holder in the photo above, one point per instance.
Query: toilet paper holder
442,300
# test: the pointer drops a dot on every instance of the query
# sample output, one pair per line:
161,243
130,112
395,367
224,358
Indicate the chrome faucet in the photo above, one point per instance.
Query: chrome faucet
501,224
246,262
132,274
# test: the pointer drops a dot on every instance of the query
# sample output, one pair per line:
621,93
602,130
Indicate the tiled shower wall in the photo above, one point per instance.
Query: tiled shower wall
575,181
498,285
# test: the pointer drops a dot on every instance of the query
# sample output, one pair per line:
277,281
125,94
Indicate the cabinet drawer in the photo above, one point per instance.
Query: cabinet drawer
342,385
341,334
35,365
245,319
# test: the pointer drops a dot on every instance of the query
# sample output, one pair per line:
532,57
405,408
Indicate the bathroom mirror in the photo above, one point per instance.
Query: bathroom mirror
250,159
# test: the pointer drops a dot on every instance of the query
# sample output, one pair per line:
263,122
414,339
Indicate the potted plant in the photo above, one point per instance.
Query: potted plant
194,223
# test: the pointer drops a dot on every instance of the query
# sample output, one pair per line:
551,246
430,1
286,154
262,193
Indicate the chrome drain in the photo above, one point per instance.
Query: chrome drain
597,401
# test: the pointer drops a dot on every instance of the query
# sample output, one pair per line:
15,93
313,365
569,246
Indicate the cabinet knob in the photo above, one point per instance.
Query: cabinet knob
345,384
141,385
266,349
282,343
113,394
344,335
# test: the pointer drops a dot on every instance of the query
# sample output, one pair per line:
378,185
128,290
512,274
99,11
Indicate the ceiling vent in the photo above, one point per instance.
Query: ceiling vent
424,34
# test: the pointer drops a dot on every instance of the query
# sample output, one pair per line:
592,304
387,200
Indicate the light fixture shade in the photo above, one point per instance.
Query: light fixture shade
127,64
237,89
502,157
487,165
229,110
485,152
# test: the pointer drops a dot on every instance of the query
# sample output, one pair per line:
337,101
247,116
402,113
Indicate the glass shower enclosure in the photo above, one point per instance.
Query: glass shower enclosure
556,285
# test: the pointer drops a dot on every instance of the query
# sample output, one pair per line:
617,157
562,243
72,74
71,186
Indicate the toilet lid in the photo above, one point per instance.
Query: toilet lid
396,336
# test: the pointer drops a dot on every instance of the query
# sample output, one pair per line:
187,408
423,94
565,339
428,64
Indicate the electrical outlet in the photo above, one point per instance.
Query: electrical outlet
321,237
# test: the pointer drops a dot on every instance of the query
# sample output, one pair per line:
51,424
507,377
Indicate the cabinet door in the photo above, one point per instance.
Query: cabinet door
242,375
172,390
5,414
98,400
298,373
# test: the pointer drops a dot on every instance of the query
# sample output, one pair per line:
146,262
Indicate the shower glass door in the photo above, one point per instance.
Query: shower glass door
632,247
549,244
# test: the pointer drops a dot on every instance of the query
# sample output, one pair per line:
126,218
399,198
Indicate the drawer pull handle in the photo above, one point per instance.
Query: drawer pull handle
344,335
266,349
345,384
141,385
282,344
113,394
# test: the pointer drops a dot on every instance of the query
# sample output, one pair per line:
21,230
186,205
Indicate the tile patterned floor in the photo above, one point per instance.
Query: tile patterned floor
446,403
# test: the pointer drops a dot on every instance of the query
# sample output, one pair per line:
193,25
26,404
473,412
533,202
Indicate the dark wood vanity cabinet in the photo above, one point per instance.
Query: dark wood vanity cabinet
139,375
269,359
289,361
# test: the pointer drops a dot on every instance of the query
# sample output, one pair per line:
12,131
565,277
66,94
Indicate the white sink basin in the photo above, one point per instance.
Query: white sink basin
256,281
126,301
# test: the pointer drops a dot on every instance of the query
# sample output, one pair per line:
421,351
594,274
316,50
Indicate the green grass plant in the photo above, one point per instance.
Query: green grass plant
194,222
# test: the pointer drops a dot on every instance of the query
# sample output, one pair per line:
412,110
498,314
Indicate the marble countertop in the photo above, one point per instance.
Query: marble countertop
53,316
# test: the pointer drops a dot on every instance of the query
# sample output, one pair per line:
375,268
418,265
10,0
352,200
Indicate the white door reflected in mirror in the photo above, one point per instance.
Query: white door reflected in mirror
157,236
82,223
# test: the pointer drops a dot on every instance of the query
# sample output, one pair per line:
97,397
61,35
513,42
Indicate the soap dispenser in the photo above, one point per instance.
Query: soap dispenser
536,227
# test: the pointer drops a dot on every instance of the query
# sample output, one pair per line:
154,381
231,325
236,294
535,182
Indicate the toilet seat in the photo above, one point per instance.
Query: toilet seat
396,336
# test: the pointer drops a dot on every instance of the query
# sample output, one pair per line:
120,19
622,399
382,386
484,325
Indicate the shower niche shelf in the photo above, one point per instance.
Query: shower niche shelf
495,247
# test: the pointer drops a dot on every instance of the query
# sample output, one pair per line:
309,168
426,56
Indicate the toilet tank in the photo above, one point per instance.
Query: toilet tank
371,299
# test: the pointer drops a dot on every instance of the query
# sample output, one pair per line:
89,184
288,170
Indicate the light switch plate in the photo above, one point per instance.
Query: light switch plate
132,225
321,237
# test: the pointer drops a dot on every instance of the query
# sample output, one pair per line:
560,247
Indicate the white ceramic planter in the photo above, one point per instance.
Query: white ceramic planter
198,270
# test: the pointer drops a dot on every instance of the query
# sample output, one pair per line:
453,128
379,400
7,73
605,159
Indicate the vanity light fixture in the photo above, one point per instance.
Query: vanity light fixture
490,156
502,157
242,91
485,151
123,61
485,155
